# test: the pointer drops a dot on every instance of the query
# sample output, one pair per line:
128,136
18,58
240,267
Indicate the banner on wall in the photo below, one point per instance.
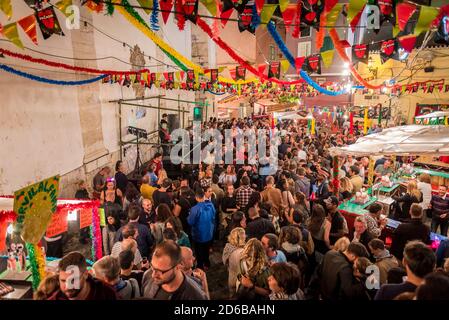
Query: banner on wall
85,218
373,113
213,75
58,223
422,109
275,70
35,206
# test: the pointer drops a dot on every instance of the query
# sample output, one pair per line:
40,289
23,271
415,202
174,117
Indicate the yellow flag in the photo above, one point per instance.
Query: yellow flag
211,6
328,57
178,76
5,6
284,65
10,32
354,8
283,4
426,16
365,121
332,17
396,31
62,6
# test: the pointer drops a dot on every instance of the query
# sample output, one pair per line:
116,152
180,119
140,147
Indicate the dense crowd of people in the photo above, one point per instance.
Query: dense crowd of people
281,236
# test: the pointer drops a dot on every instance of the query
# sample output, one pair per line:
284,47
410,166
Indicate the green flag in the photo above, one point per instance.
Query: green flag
267,13
147,5
426,16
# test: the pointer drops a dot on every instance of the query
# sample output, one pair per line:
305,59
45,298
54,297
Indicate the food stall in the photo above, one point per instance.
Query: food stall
411,140
22,262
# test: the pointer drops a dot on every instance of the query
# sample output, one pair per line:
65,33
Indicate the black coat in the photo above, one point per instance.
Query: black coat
258,227
415,229
407,200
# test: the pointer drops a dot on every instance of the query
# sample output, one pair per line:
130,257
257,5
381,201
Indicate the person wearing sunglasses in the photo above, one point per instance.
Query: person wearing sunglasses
165,279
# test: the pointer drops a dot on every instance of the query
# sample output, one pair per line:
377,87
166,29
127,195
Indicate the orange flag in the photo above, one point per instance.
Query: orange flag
28,25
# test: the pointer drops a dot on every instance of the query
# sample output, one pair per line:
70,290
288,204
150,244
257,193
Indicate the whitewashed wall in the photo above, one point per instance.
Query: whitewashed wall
40,130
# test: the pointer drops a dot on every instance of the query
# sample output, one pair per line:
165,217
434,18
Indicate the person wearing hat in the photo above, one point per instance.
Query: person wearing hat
338,222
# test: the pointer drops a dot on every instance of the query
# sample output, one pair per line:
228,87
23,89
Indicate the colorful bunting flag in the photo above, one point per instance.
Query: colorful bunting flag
283,4
146,5
355,9
5,6
166,7
246,17
388,50
261,68
63,5
266,13
333,15
327,57
299,61
312,64
407,43
211,6
240,73
48,22
11,33
284,65
28,25
404,11
275,70
426,17
288,15
360,52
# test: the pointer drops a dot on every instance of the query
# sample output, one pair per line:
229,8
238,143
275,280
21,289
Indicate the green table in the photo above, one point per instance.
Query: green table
389,189
432,173
352,207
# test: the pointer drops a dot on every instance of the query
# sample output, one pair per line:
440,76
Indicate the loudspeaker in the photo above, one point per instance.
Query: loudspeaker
173,122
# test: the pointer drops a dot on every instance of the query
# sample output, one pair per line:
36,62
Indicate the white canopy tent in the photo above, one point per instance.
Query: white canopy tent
401,141
436,114
289,115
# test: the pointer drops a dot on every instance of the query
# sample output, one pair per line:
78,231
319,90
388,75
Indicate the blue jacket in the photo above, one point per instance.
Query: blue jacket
202,220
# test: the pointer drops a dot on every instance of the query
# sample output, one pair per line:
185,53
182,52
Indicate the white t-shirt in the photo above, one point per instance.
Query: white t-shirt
302,155
426,190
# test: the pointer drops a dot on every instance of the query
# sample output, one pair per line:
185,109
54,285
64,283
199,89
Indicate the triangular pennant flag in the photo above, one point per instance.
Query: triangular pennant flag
426,17
177,76
181,74
146,5
232,72
211,6
329,5
190,9
259,5
261,68
240,73
355,8
166,6
48,22
284,65
10,31
283,4
404,12
327,57
267,13
356,20
388,50
288,15
225,15
360,52
28,25
5,6
407,43
396,31
312,64
63,5
246,18
299,61
333,15
274,70
132,78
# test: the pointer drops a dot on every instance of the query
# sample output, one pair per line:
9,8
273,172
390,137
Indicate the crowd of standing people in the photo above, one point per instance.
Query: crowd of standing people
281,235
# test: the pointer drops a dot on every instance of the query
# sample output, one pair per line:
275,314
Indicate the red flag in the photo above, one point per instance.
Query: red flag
299,61
329,5
261,68
356,20
28,25
225,15
404,12
166,6
259,5
232,72
288,15
407,43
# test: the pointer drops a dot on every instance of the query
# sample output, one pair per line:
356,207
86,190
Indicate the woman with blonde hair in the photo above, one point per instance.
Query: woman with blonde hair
48,286
426,189
254,272
341,244
346,187
413,195
162,175
232,254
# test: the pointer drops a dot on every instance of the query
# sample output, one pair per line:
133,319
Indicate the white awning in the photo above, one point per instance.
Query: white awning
401,141
436,114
